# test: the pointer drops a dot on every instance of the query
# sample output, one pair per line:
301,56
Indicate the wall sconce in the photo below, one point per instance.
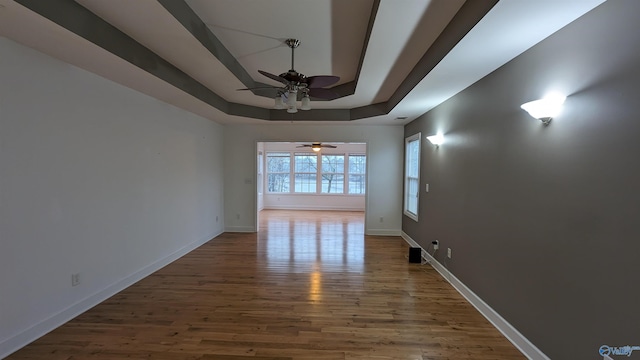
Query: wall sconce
546,108
436,139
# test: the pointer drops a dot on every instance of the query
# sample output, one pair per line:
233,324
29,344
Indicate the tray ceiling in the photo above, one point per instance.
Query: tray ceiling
394,62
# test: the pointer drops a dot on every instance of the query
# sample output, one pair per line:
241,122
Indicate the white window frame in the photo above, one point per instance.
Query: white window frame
318,173
411,182
289,173
313,174
348,174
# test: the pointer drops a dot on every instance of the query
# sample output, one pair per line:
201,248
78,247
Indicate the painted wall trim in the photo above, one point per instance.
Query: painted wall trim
18,341
523,344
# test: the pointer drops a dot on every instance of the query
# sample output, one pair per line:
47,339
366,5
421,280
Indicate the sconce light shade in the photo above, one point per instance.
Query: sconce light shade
546,108
436,139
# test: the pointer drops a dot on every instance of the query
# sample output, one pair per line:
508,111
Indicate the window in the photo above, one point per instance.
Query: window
278,172
412,176
357,172
306,170
316,173
332,174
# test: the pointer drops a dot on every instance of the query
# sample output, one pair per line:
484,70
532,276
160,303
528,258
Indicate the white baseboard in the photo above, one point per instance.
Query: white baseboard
18,341
239,229
382,232
511,333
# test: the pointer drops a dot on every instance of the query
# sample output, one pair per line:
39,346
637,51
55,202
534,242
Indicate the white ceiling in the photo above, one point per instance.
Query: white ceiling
336,39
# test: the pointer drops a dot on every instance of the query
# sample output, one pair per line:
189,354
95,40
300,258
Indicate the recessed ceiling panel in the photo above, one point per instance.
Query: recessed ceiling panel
332,34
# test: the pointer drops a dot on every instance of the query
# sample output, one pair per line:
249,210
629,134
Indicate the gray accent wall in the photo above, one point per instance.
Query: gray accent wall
543,222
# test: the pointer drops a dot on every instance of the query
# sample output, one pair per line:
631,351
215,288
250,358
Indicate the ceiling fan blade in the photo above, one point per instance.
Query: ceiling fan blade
321,81
274,77
317,145
323,94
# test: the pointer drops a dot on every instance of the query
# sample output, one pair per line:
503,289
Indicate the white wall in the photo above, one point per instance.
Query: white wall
95,179
342,202
385,146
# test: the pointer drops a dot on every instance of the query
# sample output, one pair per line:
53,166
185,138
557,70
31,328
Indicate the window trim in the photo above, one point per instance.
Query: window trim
408,140
268,172
348,173
295,173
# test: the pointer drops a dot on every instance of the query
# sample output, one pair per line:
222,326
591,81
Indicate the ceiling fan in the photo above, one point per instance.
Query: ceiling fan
295,82
316,146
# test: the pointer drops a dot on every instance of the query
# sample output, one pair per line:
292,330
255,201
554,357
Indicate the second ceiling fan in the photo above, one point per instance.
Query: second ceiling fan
316,146
295,83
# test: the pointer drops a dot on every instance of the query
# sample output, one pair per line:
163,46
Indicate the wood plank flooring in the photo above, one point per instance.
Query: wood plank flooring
308,285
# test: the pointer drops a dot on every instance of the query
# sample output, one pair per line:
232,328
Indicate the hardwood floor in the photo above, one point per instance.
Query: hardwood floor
308,285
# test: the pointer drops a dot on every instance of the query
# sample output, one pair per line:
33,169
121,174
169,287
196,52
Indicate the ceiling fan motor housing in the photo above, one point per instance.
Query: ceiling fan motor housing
292,43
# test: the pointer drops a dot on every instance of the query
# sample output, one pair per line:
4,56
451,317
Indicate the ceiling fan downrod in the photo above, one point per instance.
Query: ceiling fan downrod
292,43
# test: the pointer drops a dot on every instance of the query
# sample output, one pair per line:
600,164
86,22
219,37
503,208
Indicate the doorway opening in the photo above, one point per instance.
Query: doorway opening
302,176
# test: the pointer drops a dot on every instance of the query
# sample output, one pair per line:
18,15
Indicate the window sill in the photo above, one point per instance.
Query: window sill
411,215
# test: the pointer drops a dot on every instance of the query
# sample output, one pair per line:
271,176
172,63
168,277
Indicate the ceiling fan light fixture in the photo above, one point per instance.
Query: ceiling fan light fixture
306,102
316,147
279,104
292,96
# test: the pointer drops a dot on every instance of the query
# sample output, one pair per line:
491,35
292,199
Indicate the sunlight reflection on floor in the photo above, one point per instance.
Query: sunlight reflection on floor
301,240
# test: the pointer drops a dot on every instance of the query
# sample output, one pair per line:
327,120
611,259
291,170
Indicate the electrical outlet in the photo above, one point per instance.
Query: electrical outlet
449,253
381,219
436,244
238,216
216,218
75,279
